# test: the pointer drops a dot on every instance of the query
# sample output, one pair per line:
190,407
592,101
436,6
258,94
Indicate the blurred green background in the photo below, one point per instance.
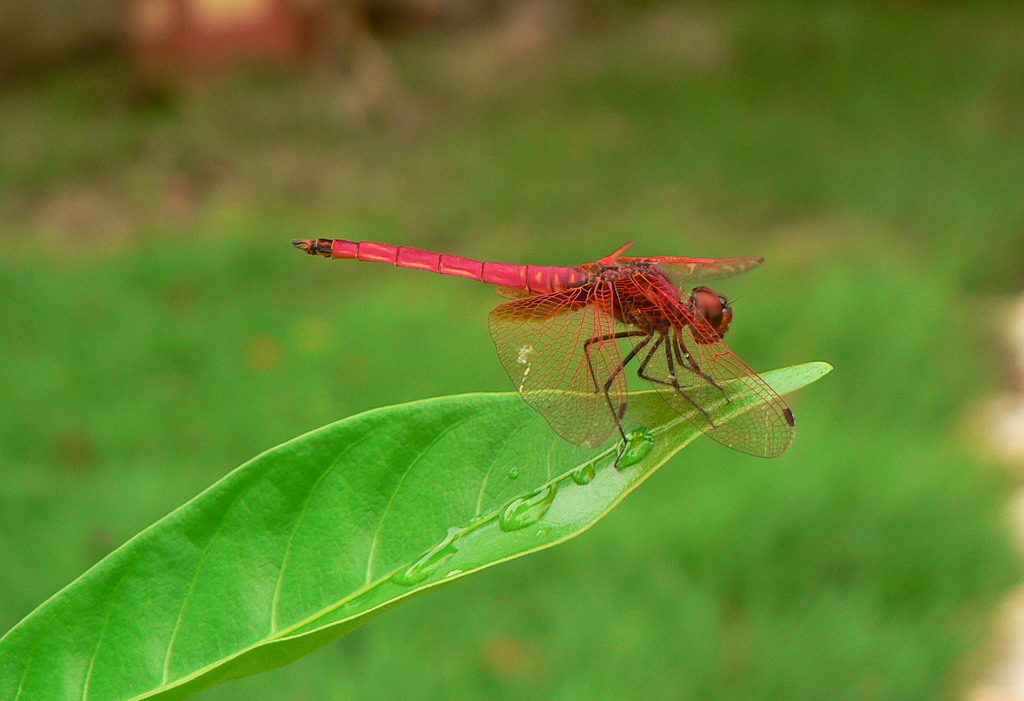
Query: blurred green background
159,330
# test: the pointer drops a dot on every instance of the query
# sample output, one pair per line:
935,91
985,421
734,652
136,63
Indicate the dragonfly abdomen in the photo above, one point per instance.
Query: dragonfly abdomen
535,279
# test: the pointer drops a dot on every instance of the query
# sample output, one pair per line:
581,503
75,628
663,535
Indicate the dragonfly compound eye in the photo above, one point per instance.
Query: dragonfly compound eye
713,307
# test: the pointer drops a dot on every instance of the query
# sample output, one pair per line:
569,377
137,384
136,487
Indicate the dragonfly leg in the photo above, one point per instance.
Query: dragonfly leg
647,359
682,352
611,378
674,384
603,339
607,385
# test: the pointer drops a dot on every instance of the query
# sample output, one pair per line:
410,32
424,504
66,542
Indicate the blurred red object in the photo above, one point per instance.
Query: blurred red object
207,35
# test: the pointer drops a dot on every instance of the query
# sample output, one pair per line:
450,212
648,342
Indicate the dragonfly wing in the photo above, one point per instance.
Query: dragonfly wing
512,292
560,352
680,271
709,384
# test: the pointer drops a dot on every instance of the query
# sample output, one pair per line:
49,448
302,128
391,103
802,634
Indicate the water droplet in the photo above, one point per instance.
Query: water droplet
513,473
430,562
463,569
527,510
638,445
584,475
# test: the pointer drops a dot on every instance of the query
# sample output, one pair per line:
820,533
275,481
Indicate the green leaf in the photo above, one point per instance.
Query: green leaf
312,538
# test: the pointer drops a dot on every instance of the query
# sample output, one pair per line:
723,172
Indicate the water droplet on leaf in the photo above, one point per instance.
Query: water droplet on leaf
638,445
584,475
527,510
513,473
430,562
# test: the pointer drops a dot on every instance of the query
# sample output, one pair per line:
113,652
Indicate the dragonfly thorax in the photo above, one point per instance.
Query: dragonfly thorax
614,271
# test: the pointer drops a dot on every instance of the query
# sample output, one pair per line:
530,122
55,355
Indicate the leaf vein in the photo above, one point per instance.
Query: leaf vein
195,576
487,475
99,638
298,522
387,509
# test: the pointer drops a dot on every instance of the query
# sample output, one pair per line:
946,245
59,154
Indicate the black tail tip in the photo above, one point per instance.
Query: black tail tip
302,244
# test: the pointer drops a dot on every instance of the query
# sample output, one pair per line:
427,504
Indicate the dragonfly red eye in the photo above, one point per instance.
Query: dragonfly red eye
713,307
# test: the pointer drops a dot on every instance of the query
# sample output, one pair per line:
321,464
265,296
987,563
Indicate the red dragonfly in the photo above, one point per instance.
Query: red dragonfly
559,340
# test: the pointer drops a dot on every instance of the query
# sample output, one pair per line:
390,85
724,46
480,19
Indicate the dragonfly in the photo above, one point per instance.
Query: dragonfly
563,339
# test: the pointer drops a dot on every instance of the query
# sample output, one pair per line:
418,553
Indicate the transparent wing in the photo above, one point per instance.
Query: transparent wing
680,271
561,353
701,378
512,292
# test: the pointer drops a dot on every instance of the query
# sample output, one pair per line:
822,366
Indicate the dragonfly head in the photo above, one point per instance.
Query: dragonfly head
714,308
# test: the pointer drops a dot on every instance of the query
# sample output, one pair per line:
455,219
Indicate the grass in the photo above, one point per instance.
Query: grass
159,330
